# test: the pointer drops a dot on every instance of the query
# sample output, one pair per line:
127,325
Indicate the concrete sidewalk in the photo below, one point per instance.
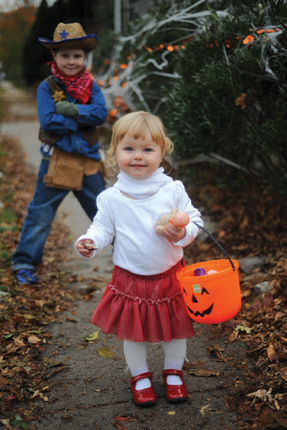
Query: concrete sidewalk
92,389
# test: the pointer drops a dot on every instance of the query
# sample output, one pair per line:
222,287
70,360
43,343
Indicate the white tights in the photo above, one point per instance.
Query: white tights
136,358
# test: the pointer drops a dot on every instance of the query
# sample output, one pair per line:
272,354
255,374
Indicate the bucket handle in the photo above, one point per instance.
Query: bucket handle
218,244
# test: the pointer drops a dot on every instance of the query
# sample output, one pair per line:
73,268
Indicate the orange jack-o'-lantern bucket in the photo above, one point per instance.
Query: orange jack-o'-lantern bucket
215,297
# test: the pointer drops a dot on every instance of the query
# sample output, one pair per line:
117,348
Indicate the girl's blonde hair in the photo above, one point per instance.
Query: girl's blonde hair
136,125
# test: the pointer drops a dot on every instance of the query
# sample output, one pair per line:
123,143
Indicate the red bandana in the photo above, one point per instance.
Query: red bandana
78,86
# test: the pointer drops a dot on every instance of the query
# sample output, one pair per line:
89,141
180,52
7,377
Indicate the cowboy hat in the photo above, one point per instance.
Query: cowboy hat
70,36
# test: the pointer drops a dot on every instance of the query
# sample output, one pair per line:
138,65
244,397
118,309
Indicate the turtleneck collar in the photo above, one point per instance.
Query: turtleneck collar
144,187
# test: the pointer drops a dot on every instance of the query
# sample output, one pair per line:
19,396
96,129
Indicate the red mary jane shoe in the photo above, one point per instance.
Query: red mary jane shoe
175,393
145,397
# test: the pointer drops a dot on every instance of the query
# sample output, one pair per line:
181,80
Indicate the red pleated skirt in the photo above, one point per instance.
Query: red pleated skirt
144,308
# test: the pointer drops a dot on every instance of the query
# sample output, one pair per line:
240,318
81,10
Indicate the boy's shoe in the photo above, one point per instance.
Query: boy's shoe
26,277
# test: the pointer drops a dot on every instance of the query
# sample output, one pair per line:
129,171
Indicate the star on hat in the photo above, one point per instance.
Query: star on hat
64,35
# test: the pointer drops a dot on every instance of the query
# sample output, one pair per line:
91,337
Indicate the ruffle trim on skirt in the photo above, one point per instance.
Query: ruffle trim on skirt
141,300
157,314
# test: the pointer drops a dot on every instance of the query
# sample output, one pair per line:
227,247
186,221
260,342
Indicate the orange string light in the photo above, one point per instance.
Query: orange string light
113,112
248,39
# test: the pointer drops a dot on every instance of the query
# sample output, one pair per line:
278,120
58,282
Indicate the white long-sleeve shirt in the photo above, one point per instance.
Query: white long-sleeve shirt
137,247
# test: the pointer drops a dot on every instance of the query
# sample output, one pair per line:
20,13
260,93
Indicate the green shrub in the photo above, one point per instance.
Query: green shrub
230,98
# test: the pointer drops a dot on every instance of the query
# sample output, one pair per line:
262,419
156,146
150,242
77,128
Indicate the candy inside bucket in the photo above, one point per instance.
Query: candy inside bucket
211,298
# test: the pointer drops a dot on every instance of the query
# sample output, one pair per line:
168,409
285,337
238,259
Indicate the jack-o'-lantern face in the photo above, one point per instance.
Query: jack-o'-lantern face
198,301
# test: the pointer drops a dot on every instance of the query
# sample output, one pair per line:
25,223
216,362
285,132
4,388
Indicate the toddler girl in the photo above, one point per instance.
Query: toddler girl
143,302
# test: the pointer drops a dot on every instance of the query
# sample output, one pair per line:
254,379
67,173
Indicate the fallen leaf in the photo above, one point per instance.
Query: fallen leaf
205,373
11,348
242,328
19,342
278,316
51,362
283,373
29,317
3,381
246,293
40,303
200,363
34,339
203,410
13,372
216,350
233,336
106,353
262,395
36,393
93,336
122,418
11,397
271,353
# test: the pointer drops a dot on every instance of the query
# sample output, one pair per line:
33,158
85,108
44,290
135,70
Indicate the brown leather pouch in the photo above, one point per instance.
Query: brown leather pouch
66,171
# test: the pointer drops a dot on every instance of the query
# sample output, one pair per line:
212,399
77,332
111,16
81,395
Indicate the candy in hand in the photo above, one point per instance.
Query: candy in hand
89,246
178,219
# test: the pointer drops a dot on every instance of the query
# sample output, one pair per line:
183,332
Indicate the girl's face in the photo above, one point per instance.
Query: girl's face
138,158
70,61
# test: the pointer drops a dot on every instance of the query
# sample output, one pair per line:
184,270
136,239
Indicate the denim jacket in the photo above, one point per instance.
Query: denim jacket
93,113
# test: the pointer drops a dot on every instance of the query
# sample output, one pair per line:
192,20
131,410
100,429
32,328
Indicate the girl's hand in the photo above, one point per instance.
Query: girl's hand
172,233
86,247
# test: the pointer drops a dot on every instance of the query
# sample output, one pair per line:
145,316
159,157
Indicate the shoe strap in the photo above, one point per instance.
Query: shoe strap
168,372
141,376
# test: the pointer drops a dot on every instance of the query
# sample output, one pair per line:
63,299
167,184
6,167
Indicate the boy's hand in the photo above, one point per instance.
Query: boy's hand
67,109
86,247
172,233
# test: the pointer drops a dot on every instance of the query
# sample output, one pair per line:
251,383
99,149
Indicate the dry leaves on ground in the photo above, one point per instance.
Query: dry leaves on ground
26,311
251,222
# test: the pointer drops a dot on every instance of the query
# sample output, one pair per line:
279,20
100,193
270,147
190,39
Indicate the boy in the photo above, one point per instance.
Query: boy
70,107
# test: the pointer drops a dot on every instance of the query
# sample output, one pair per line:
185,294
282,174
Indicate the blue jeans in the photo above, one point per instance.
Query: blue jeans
41,212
